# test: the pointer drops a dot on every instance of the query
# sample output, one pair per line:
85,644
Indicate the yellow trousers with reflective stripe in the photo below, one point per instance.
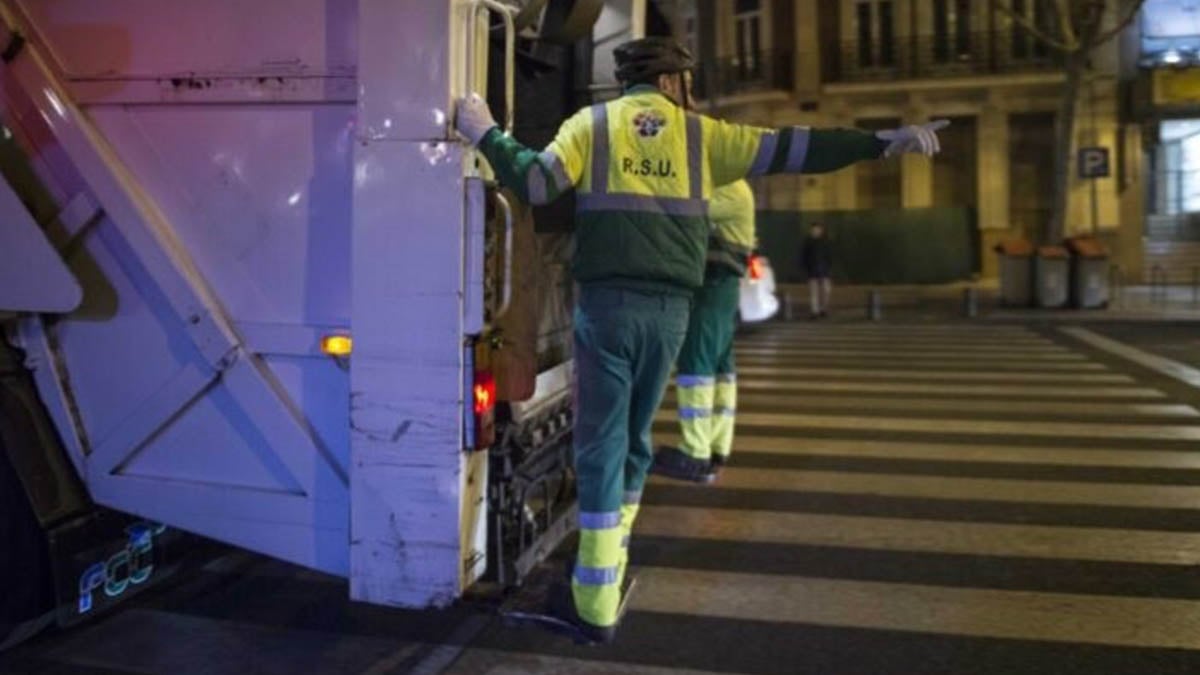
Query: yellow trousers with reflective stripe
695,395
724,415
706,387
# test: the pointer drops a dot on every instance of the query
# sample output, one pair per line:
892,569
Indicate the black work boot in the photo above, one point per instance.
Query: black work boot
561,605
717,463
674,463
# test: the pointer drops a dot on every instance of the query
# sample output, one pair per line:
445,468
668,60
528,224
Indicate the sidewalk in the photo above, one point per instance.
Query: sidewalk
945,301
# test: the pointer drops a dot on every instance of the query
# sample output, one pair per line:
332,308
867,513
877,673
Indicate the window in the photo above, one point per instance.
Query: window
875,27
951,30
962,25
941,29
878,185
1031,141
690,38
1177,168
866,53
1020,36
887,54
1043,16
955,177
1024,45
748,19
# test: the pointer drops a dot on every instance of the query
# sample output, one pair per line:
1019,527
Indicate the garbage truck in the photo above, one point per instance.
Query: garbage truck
255,291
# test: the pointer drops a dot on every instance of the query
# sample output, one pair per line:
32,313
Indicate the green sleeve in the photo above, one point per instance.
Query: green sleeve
535,177
833,149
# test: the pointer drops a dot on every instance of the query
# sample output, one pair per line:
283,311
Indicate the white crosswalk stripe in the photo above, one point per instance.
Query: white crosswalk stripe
752,443
980,427
1038,346
935,375
958,488
916,362
1026,390
983,408
933,356
1133,622
900,534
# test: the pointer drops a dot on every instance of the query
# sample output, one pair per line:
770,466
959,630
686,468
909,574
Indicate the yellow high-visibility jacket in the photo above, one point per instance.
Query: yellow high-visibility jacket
645,170
732,214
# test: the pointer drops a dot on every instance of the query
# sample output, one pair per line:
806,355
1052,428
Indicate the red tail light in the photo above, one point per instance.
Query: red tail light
756,267
484,399
485,393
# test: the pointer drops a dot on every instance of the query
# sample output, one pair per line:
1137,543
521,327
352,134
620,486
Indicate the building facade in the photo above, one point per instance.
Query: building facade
881,63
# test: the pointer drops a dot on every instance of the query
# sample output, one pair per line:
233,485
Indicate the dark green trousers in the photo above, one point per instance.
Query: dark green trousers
625,344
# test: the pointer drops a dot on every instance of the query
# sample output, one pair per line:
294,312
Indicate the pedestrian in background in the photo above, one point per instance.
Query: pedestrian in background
816,255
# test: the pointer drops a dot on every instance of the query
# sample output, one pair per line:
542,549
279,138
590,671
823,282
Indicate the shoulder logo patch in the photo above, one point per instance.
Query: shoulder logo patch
649,123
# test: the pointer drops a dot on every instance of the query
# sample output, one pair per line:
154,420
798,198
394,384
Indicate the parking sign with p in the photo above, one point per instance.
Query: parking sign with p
1093,163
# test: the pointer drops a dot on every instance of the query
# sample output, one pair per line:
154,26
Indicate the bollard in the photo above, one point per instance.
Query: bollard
1158,284
1154,284
970,302
1116,285
874,305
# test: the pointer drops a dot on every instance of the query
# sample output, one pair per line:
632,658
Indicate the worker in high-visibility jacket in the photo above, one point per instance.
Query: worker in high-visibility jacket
705,379
644,170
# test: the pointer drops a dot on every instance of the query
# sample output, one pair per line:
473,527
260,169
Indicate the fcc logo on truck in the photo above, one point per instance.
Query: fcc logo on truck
129,566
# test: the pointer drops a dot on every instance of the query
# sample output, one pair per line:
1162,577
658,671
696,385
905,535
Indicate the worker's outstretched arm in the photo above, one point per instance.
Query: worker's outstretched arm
536,177
737,151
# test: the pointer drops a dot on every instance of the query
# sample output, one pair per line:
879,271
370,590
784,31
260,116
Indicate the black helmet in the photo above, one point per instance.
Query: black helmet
644,59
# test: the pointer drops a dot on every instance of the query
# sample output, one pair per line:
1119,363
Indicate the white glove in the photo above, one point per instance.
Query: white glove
474,119
920,138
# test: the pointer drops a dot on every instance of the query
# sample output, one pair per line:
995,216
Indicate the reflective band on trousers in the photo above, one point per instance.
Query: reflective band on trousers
694,413
600,198
599,521
596,576
695,380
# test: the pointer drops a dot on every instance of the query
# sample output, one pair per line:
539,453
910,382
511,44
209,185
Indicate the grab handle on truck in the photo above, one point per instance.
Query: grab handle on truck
506,296
510,53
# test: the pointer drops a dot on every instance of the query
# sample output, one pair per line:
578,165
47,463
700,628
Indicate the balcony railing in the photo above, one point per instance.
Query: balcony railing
930,57
762,71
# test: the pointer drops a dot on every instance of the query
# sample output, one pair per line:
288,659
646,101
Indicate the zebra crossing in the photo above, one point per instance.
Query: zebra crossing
964,483
917,499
